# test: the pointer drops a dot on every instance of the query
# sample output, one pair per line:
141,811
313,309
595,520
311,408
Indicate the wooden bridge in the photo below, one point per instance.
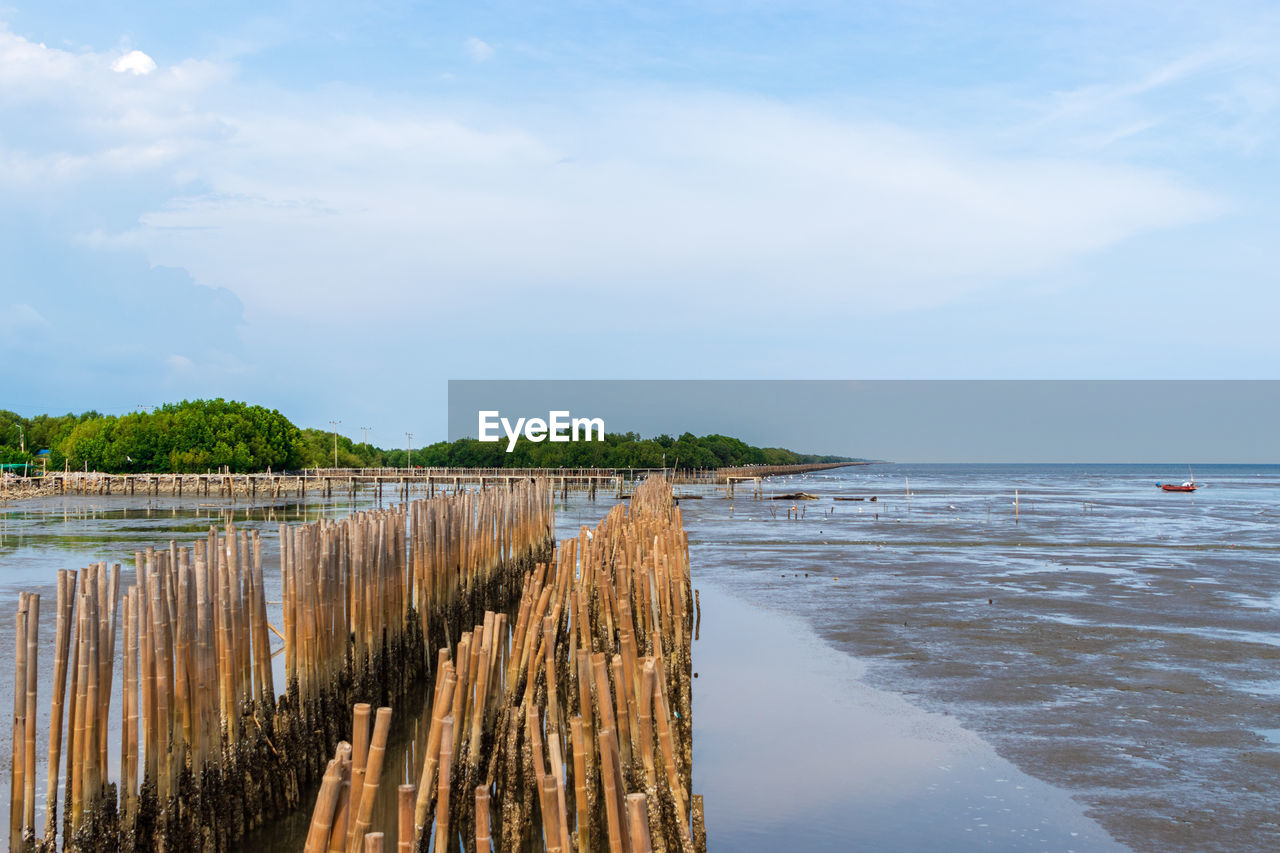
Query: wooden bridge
399,482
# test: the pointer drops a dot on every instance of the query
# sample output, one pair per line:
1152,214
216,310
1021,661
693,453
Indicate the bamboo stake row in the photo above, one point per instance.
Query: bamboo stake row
208,750
570,727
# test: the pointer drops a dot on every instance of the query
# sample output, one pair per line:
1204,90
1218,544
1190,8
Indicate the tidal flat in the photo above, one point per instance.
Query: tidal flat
1092,668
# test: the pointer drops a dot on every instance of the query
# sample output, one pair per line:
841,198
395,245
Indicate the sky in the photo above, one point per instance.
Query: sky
334,208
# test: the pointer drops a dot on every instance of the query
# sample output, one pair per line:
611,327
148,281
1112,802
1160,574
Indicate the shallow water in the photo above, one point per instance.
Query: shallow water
1116,640
791,745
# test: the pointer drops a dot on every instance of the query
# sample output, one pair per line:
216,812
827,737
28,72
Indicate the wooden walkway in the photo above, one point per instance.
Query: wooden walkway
399,482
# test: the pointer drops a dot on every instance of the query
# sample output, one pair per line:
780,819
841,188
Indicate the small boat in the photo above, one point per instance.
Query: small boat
1187,485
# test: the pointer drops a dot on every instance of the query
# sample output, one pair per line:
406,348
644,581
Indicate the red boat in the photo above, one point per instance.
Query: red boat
1187,486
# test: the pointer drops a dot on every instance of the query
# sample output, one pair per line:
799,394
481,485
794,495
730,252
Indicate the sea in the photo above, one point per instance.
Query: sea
916,657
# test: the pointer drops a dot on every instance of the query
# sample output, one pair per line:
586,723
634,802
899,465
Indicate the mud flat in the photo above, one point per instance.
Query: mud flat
847,766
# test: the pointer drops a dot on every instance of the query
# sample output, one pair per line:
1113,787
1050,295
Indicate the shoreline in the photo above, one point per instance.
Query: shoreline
850,765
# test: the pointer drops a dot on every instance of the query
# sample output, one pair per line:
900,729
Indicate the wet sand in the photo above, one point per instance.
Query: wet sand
792,747
1115,641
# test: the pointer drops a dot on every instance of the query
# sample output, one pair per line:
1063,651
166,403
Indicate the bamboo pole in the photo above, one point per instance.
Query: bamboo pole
484,836
359,759
326,805
17,785
66,610
29,752
372,774
341,818
638,823
442,796
406,797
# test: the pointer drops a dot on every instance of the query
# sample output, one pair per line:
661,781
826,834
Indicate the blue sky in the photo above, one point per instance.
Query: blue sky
334,208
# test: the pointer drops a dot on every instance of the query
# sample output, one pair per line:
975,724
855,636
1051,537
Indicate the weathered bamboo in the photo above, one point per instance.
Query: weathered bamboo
342,817
406,797
66,610
17,787
326,804
367,602
372,774
442,796
359,760
613,811
608,618
426,782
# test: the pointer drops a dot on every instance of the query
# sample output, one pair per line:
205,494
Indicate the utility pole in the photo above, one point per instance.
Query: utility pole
364,439
409,451
335,442
146,410
22,438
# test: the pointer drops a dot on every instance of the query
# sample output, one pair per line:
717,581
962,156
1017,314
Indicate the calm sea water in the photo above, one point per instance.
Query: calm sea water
1112,639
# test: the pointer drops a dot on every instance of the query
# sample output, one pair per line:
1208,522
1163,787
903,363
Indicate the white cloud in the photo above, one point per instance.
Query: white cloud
478,50
134,62
705,198
1205,98
73,117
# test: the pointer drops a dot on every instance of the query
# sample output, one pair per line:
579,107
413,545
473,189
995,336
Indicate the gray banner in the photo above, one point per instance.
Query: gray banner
915,420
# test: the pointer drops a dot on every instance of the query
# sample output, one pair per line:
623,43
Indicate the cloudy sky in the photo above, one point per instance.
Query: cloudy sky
333,208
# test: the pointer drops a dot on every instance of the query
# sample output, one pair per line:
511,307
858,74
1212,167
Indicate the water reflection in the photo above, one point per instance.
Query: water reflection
790,746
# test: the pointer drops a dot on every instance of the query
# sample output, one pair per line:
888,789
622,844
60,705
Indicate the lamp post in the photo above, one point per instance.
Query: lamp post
335,442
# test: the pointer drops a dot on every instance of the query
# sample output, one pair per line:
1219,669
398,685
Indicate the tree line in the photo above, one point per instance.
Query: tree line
195,436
